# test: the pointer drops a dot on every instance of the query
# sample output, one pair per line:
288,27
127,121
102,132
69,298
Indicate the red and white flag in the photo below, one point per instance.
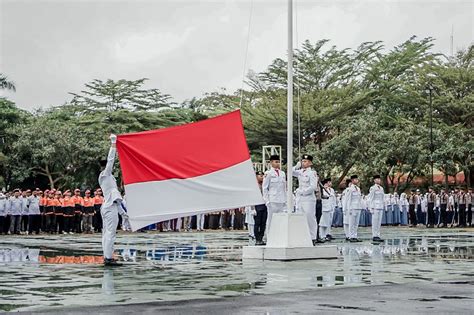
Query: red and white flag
189,169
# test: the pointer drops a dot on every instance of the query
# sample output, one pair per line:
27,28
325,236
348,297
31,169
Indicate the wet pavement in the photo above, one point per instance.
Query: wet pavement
44,272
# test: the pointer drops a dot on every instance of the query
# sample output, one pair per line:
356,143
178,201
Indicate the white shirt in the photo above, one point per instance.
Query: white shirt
376,196
274,186
307,183
108,183
353,198
33,204
329,203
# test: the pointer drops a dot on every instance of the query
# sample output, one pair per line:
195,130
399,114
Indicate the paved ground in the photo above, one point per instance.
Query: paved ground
414,298
191,270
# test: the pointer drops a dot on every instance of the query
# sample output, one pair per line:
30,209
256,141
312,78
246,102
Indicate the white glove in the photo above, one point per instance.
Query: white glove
126,223
298,165
113,138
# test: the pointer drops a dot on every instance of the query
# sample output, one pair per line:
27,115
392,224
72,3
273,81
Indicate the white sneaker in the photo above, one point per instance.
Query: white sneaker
64,233
71,233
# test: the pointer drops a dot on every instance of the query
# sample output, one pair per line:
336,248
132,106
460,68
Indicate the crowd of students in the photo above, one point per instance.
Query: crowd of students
51,211
69,212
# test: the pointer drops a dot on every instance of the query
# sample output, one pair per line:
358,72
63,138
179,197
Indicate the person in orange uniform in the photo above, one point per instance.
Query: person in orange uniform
49,217
78,210
68,212
88,212
43,200
58,212
98,200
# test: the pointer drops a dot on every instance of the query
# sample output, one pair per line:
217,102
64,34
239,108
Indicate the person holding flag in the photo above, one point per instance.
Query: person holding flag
112,205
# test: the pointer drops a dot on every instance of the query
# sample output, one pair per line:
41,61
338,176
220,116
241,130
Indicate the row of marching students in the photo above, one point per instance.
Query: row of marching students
50,211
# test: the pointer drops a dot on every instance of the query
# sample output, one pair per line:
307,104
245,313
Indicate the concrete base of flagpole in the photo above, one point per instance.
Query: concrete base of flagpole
289,239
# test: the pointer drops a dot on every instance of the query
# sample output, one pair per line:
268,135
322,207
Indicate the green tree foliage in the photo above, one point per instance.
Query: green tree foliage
363,110
6,84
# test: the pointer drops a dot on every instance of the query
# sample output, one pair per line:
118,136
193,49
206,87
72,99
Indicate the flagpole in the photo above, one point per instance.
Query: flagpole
289,150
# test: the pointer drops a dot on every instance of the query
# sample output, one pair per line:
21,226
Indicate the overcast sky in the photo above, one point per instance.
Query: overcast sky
187,48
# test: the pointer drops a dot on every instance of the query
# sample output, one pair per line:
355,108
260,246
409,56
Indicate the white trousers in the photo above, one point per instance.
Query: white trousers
324,224
308,207
331,219
345,221
200,221
110,221
251,230
271,209
376,222
354,218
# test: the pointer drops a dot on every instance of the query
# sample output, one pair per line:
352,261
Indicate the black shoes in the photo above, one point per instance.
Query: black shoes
319,241
260,243
329,237
355,240
377,239
111,263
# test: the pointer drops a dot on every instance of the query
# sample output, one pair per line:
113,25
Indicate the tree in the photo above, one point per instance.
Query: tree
6,84
122,94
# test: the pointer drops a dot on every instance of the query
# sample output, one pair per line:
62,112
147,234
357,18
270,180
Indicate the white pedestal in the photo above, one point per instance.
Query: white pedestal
289,239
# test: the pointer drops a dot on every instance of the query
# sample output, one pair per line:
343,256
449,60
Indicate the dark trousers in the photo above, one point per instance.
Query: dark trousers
59,223
50,223
15,222
444,216
419,215
319,213
469,214
34,223
6,225
462,215
24,223
3,220
431,214
456,218
450,215
97,219
260,222
411,210
77,222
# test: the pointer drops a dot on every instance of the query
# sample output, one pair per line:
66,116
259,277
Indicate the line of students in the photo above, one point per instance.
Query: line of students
51,211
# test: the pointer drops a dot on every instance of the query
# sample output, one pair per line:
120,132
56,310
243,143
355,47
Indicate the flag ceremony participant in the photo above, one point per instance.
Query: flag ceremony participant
376,205
307,184
274,190
111,207
354,206
328,205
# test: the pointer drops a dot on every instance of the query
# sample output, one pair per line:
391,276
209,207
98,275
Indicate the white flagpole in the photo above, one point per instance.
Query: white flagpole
289,150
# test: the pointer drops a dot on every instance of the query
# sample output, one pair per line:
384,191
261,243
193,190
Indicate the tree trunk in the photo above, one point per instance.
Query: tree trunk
344,174
50,177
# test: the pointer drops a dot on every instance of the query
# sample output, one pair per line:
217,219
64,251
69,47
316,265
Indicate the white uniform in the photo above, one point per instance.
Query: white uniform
111,206
274,193
353,205
376,203
3,207
250,214
33,205
307,183
328,204
345,212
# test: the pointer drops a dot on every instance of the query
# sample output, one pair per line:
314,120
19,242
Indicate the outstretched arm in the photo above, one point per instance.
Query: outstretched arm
111,157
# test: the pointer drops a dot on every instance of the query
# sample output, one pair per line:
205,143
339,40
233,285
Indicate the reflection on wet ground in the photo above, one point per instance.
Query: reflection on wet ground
40,272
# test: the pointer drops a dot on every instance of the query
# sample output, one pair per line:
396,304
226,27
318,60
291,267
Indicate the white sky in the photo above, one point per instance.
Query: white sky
187,48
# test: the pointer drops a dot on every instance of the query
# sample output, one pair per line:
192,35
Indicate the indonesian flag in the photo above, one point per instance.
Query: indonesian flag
185,170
